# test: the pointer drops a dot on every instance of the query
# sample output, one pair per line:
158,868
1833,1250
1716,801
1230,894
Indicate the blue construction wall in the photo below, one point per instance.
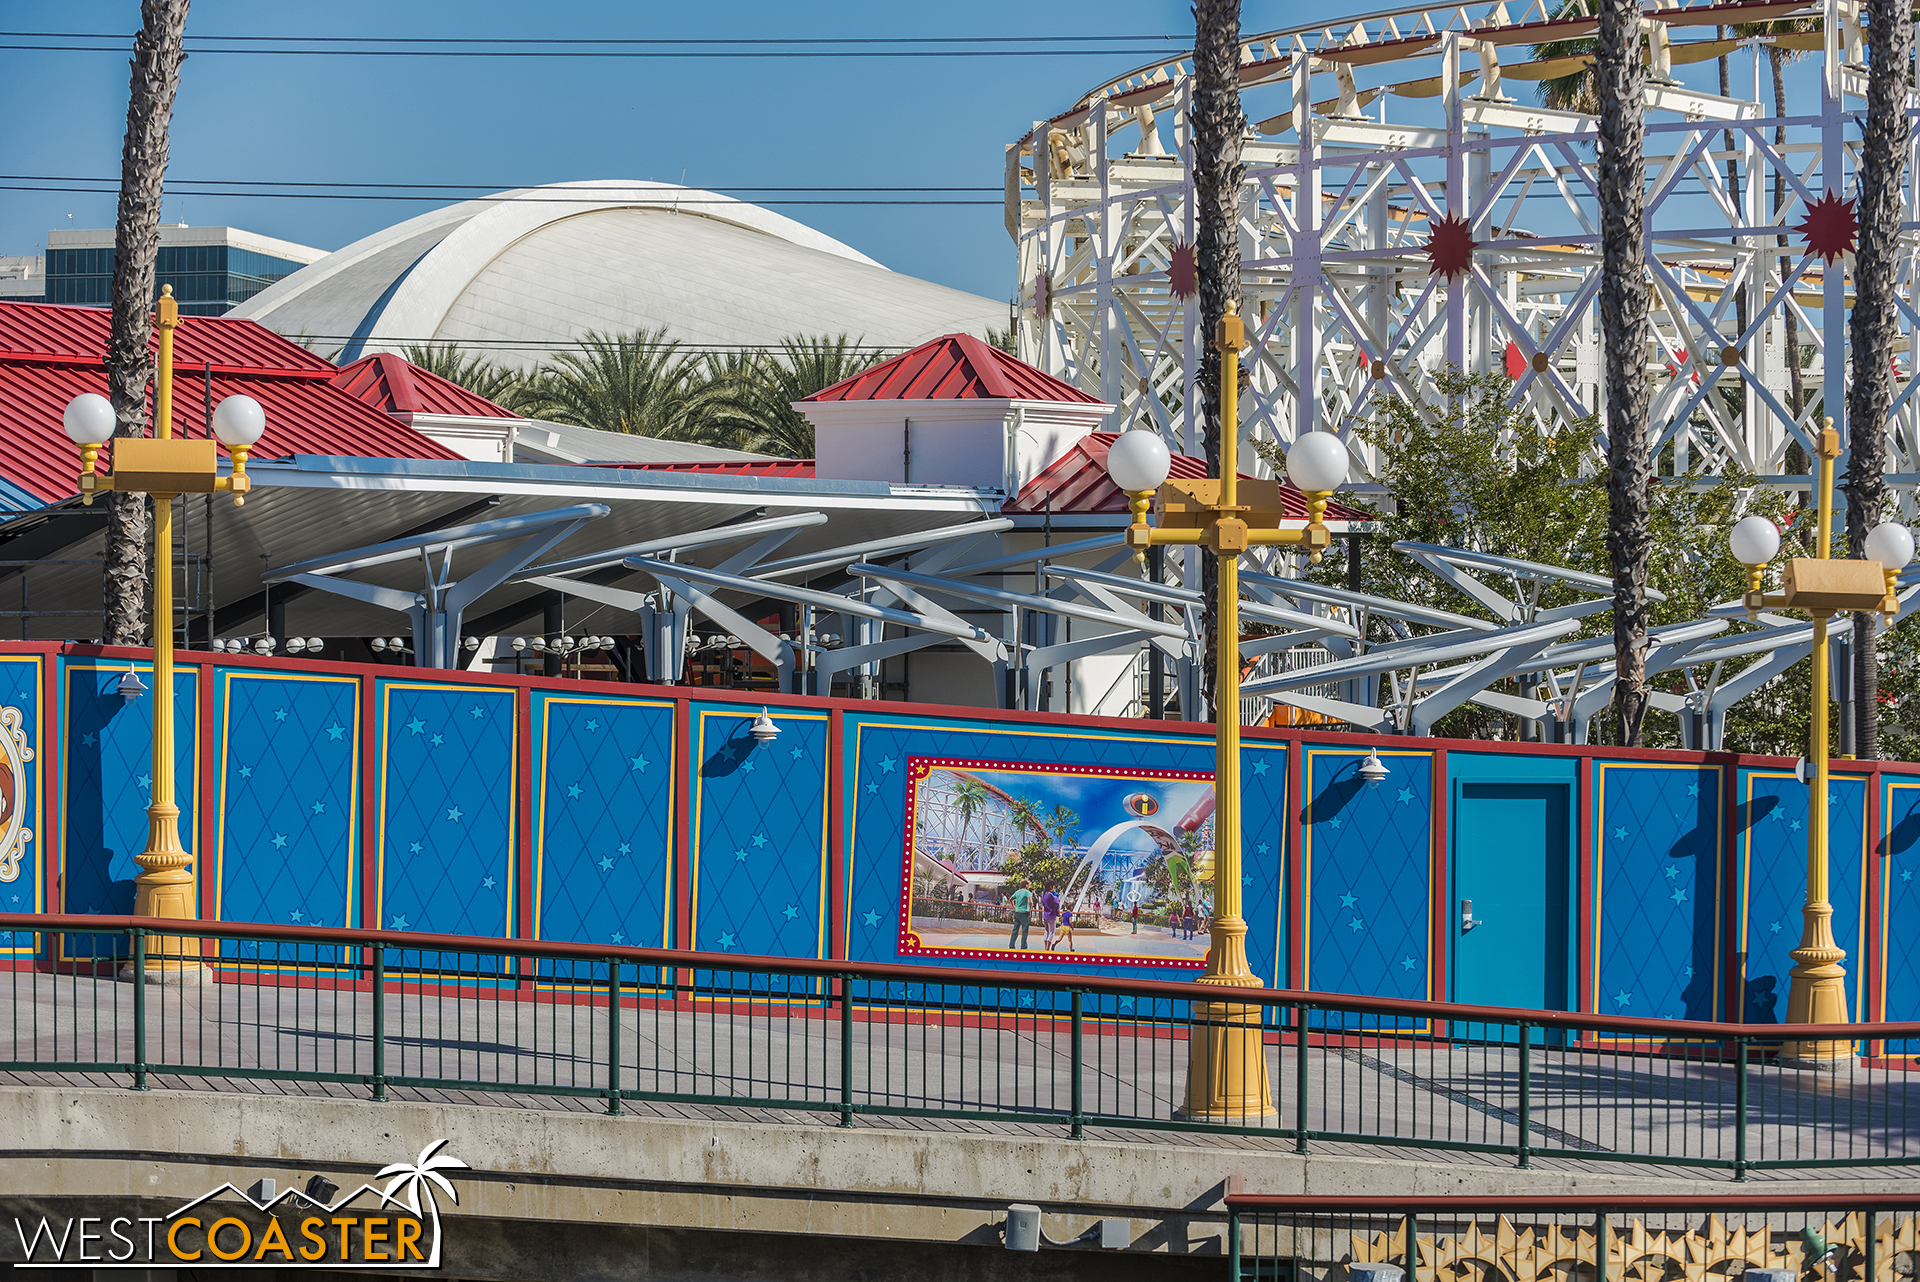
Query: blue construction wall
1366,873
1899,942
323,794
1655,876
1771,881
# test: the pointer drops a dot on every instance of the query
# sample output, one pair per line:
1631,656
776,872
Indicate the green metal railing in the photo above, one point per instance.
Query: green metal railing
416,1016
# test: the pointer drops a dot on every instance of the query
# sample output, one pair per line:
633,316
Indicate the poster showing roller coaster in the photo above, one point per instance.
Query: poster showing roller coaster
1117,864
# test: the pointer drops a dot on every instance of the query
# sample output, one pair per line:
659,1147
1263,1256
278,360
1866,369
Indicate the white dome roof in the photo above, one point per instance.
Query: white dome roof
540,266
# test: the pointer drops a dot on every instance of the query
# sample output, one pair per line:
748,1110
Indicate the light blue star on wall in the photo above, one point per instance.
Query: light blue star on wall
396,923
146,781
1794,826
1775,814
1126,1003
1679,895
1773,928
798,752
279,841
1246,881
1693,790
887,765
319,807
1335,822
726,940
1356,925
626,848
1262,847
335,730
617,938
791,911
759,840
87,740
1408,963
279,714
639,763
487,883
476,712
1623,998
573,790
872,788
740,855
414,848
1671,872
453,813
592,724
1347,901
296,915
606,863
871,917
1906,874
246,772
1619,834
437,740
1405,795
416,725
1260,765
1687,973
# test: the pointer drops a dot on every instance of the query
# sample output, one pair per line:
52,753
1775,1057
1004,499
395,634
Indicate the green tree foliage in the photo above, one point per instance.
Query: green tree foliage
1036,866
747,401
1476,473
637,383
509,389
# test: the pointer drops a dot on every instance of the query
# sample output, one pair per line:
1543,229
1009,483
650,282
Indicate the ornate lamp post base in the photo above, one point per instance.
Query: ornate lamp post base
1817,993
1227,1057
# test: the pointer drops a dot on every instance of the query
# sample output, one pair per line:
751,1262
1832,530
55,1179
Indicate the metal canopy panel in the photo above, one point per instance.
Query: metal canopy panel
312,507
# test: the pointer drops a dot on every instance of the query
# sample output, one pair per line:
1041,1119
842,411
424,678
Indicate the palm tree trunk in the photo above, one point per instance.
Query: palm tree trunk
1883,162
1218,126
1619,81
157,56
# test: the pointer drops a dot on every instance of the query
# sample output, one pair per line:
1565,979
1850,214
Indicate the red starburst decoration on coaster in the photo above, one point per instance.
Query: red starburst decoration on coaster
1042,294
1516,361
1183,270
1830,227
1450,249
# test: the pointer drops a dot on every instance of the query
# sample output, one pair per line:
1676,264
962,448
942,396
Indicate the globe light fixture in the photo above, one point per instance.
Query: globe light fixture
1754,541
1317,463
1891,544
1139,461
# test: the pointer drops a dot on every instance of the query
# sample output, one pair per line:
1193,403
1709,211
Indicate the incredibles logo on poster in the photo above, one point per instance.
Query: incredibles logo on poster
397,1227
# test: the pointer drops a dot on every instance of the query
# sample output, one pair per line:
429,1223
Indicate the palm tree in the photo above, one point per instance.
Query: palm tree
423,1176
507,388
1218,127
157,55
1883,160
748,400
1061,823
635,383
969,798
1619,81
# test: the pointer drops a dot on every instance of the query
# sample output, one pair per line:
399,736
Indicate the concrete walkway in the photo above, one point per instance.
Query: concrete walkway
780,1061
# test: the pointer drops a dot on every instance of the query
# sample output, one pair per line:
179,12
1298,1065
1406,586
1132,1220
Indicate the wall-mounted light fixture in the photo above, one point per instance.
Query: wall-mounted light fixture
1374,770
763,730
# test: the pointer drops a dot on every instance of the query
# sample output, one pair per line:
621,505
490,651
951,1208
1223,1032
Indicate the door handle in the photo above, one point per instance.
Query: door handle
1467,920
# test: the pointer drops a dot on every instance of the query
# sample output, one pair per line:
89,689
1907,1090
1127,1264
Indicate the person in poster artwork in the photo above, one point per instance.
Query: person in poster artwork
1022,918
1050,916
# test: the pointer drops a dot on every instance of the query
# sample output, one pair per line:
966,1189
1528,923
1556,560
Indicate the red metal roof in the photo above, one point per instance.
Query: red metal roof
956,367
397,386
1077,483
49,354
800,467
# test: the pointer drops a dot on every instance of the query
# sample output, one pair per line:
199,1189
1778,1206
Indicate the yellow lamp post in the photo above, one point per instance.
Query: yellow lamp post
1823,587
1227,1072
164,467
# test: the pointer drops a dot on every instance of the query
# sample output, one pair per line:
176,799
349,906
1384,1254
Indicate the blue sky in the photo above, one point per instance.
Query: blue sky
720,122
817,122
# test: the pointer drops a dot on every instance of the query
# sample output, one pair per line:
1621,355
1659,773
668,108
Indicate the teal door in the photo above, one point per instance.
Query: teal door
1510,948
